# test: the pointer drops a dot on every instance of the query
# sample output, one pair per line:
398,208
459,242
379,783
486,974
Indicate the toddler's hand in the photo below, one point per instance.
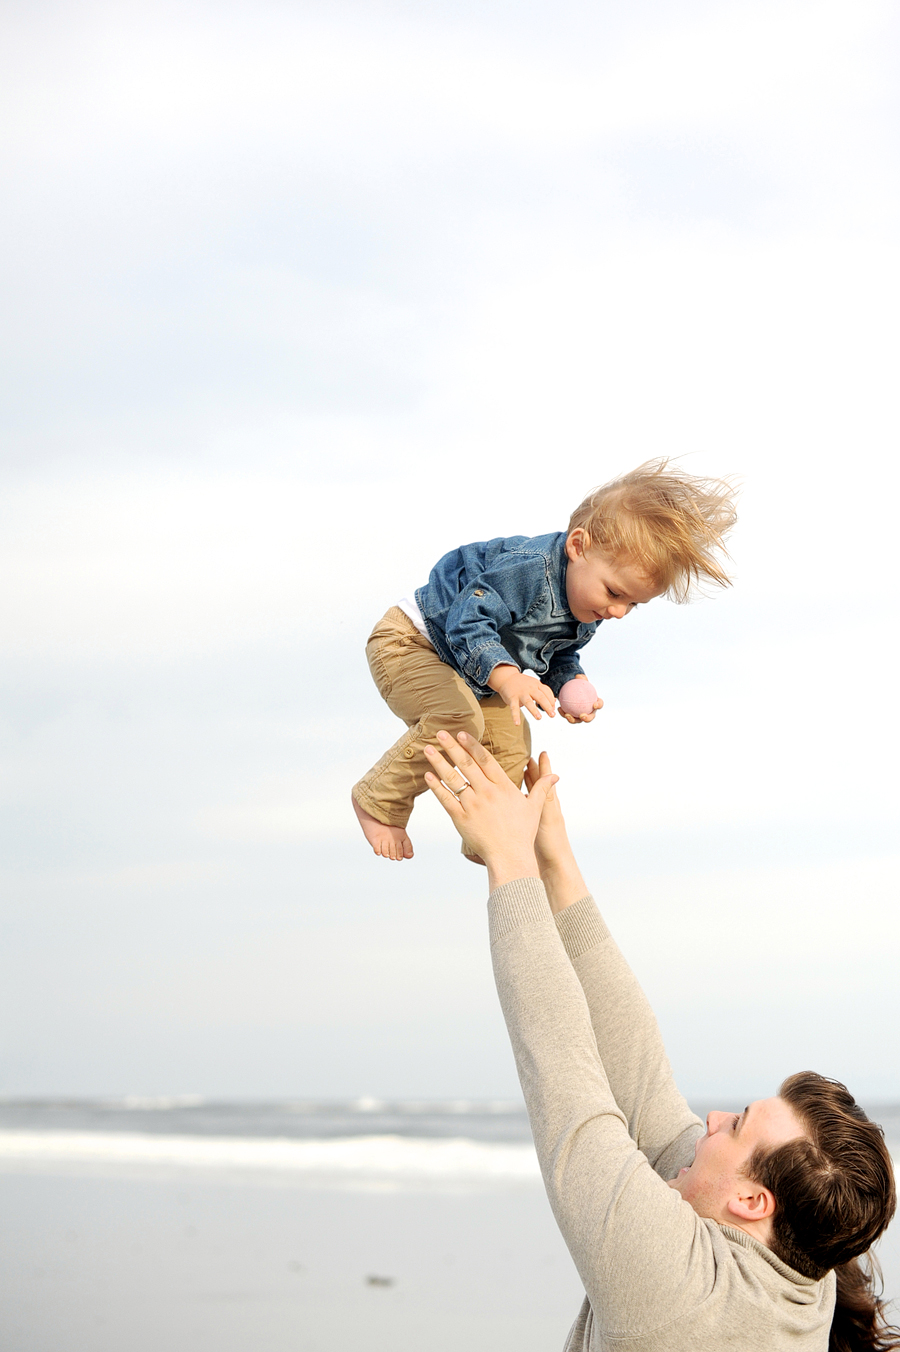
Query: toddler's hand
582,718
522,692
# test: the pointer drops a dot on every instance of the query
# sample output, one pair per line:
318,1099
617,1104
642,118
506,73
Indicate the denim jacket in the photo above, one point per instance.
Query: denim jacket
504,600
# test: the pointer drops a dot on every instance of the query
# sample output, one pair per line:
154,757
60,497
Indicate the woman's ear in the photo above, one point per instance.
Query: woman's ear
751,1202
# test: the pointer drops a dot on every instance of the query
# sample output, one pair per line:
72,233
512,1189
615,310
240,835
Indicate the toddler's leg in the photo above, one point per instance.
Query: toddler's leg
428,695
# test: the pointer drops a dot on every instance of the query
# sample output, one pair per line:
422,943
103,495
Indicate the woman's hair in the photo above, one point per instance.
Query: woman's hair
834,1194
667,522
859,1324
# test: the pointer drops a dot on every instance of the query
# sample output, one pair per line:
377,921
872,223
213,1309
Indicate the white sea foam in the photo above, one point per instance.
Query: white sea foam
364,1160
159,1104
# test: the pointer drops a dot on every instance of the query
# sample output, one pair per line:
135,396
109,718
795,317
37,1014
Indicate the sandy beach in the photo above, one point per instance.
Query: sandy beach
104,1260
104,1264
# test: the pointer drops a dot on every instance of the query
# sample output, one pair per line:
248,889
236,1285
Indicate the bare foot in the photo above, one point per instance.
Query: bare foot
391,842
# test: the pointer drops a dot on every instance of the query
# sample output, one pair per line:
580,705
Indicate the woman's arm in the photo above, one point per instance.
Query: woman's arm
628,1037
643,1254
555,858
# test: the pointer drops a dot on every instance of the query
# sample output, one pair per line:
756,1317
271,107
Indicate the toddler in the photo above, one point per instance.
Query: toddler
458,655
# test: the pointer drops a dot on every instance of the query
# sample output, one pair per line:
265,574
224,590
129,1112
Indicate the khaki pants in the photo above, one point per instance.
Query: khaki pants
429,696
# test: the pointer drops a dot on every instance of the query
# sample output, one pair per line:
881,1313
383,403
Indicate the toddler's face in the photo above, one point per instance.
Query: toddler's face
600,587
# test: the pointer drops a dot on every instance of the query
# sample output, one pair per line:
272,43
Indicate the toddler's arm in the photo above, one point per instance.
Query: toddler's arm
522,692
473,626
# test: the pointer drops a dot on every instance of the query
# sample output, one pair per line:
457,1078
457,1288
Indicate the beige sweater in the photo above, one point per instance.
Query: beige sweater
610,1128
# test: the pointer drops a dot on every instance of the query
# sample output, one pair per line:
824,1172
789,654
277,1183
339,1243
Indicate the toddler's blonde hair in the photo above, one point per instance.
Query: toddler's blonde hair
665,521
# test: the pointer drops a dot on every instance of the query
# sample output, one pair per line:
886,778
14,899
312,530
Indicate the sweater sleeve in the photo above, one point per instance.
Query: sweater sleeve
643,1254
629,1042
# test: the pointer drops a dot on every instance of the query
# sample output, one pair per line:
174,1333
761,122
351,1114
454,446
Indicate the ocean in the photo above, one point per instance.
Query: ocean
353,1143
135,1224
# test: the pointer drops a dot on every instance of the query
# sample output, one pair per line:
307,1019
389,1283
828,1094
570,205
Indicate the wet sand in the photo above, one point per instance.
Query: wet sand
187,1263
124,1265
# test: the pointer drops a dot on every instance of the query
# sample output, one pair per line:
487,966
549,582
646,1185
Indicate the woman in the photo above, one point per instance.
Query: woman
745,1235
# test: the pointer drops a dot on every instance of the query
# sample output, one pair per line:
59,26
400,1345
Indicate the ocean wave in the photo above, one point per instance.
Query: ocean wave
495,1122
372,1159
163,1103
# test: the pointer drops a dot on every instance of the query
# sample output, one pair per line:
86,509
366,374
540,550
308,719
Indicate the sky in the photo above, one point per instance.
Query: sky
297,297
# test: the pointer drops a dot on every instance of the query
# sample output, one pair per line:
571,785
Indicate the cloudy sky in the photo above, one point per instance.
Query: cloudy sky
297,296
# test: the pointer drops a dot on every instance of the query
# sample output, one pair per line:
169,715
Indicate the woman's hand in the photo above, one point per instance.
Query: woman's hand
551,839
495,820
559,871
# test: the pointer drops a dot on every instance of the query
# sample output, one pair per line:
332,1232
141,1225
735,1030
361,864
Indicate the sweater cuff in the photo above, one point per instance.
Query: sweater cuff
516,904
581,927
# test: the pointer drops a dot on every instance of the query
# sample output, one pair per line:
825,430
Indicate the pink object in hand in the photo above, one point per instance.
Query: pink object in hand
577,697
